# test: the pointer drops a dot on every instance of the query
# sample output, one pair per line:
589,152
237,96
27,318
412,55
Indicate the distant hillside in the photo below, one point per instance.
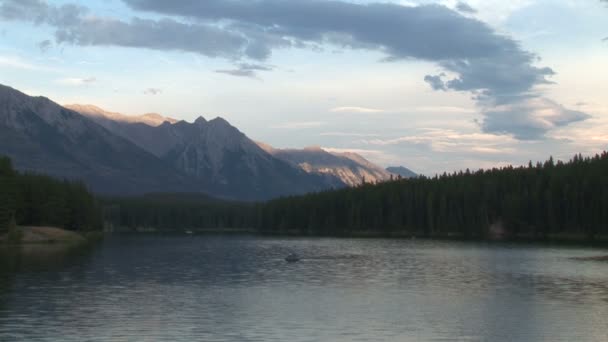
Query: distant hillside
401,171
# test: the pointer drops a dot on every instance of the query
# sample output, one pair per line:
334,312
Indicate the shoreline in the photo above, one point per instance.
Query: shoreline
561,239
34,235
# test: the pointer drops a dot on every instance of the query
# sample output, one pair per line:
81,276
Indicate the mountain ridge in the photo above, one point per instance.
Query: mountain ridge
347,168
219,156
42,136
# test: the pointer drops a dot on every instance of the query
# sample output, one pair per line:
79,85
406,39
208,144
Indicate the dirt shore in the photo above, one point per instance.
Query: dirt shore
31,235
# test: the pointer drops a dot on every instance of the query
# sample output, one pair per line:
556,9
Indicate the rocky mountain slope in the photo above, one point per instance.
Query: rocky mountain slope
120,155
176,142
41,136
350,168
217,155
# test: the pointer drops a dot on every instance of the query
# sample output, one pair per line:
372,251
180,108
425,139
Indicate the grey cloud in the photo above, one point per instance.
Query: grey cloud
45,45
530,119
605,39
89,80
465,8
74,26
491,66
40,12
436,82
165,34
430,32
245,70
153,91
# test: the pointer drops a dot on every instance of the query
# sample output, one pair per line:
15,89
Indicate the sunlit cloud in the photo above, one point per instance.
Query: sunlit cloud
447,140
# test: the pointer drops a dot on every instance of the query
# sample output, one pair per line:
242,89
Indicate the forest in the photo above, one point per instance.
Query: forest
28,199
176,211
542,200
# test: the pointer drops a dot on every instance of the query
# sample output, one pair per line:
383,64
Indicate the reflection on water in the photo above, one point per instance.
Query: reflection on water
239,288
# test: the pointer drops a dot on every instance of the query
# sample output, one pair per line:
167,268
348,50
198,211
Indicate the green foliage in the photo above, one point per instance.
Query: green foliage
43,201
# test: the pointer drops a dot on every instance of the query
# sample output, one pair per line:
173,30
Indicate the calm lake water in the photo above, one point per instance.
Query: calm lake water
239,288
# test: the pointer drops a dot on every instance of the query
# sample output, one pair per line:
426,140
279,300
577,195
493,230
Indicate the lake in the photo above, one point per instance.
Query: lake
239,288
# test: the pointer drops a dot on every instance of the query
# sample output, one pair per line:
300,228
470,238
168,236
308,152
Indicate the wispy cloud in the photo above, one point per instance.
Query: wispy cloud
20,63
299,125
76,81
348,134
355,109
45,45
447,140
440,109
245,70
465,8
153,91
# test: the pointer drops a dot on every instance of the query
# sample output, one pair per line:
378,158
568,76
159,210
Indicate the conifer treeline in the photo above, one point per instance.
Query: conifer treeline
38,200
534,201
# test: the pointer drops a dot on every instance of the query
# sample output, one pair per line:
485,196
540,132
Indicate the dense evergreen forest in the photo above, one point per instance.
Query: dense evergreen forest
536,201
37,200
176,211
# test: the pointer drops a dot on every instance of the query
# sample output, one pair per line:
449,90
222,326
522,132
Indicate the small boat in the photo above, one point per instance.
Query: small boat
293,257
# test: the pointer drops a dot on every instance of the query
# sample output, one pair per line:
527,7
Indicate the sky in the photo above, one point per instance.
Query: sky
431,85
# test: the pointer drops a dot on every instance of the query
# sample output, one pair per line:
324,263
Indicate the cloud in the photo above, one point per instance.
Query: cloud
465,8
18,63
448,140
75,81
245,70
348,134
45,45
491,66
530,119
355,109
299,125
436,82
153,91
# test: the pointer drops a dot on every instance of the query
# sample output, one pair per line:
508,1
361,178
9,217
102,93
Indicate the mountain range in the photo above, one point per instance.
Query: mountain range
118,154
